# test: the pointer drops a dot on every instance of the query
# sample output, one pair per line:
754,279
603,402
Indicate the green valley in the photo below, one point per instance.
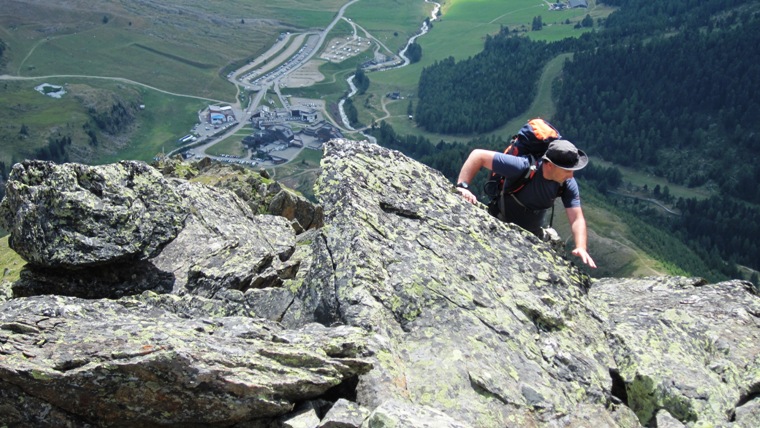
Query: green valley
137,76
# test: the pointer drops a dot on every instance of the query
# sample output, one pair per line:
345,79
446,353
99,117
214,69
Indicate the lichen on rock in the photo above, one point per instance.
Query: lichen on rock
397,304
75,215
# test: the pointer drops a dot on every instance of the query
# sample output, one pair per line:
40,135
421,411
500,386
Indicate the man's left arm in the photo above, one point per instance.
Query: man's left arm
578,227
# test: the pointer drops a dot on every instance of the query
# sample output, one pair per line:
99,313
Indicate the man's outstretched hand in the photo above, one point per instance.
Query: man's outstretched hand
584,256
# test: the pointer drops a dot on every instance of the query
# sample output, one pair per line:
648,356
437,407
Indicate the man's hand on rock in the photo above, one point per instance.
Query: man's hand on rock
467,195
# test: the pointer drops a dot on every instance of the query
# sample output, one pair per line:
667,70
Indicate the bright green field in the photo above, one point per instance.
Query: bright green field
177,47
10,262
392,22
155,134
460,33
46,117
231,145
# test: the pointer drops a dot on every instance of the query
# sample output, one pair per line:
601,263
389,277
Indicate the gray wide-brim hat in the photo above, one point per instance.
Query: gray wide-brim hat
565,155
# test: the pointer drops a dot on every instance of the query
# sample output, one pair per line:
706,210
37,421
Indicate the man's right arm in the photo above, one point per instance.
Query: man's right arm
477,159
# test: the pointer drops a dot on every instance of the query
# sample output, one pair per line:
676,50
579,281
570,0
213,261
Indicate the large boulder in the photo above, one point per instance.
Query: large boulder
261,193
474,317
685,347
113,362
75,215
217,243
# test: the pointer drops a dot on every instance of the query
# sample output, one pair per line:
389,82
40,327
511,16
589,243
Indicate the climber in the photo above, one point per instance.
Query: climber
526,207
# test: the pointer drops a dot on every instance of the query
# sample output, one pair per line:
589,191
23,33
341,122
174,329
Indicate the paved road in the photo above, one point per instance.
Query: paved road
279,60
120,79
302,39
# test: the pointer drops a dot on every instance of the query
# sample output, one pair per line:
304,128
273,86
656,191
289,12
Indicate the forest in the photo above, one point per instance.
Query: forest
490,88
666,87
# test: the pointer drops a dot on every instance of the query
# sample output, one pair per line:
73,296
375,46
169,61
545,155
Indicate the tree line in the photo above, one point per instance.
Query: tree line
677,106
480,94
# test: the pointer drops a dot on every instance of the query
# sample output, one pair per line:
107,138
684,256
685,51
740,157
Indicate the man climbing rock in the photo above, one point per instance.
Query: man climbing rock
549,177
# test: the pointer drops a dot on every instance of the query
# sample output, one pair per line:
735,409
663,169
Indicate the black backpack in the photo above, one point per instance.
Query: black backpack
531,141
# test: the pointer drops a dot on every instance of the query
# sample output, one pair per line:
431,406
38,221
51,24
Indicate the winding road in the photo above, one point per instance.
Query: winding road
275,57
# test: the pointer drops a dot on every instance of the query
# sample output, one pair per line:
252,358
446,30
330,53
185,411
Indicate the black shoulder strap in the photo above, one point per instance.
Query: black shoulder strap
560,192
518,184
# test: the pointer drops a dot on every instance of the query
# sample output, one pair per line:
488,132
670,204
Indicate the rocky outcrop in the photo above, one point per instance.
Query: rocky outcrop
77,215
260,193
113,361
684,346
408,308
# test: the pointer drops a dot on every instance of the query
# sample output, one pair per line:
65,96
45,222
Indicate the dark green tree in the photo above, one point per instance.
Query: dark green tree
414,52
361,81
351,113
538,23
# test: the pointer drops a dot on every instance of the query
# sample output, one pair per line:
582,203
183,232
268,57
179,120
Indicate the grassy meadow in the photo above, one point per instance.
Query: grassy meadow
47,117
10,262
176,47
460,33
165,53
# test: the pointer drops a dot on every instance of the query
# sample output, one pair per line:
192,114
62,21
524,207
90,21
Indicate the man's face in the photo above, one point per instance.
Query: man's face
556,173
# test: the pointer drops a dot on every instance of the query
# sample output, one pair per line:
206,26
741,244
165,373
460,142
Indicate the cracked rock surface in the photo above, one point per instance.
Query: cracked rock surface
390,303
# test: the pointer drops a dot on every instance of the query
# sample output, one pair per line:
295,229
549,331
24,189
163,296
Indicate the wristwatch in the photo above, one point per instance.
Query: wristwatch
463,185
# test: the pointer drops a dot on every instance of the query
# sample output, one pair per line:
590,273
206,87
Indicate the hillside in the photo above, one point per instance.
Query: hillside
145,52
173,58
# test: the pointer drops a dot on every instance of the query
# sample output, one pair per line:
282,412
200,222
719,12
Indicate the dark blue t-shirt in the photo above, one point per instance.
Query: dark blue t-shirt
539,193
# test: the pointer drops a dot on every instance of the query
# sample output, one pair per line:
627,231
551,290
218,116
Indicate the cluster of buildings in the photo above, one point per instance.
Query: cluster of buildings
218,115
568,5
264,115
271,136
272,132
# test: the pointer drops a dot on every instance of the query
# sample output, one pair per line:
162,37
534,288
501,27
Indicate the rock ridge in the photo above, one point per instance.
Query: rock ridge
236,302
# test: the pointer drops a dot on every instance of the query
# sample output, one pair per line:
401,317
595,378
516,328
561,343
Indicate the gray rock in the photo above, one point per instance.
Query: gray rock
113,361
225,246
344,414
19,409
304,419
263,195
748,414
473,317
74,215
397,414
409,304
221,244
6,291
665,420
682,345
106,281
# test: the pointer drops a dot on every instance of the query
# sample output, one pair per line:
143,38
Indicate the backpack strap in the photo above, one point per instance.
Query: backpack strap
519,184
560,192
526,177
